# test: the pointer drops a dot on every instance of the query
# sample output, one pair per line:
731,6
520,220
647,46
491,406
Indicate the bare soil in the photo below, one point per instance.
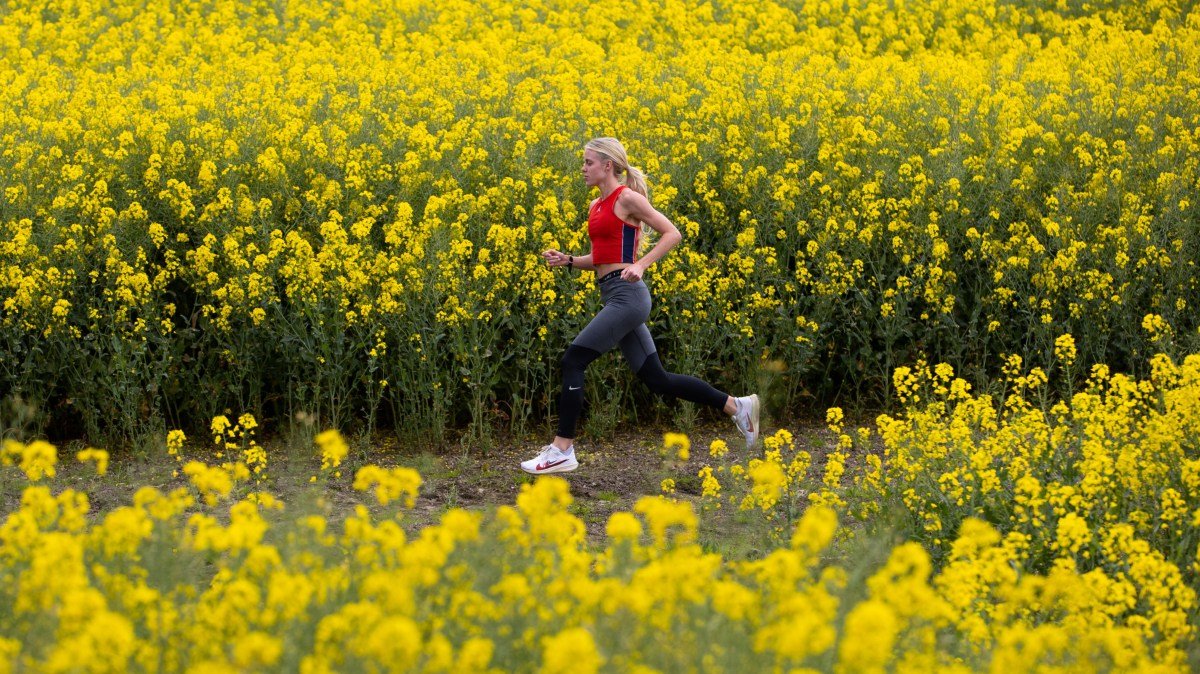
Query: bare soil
614,472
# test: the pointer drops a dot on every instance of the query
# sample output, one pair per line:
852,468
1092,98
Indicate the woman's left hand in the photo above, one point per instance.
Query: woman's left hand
632,273
556,259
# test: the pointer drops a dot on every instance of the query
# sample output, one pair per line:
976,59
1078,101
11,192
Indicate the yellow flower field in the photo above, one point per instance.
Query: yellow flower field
338,208
976,218
1089,562
1105,484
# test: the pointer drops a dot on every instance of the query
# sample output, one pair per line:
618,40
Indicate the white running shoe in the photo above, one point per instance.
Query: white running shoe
551,460
746,418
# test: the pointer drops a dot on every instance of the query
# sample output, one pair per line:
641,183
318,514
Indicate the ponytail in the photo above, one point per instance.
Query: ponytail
636,181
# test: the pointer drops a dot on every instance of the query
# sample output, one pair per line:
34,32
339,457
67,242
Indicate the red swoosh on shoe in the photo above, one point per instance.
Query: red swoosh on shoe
544,466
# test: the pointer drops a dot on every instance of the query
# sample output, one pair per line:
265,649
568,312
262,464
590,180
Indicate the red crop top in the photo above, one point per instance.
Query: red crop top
613,240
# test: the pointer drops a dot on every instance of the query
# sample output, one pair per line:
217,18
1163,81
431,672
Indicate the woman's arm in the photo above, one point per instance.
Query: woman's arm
638,208
584,262
555,258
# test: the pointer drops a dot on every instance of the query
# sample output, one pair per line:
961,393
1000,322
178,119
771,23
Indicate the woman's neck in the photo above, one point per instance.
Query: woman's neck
607,187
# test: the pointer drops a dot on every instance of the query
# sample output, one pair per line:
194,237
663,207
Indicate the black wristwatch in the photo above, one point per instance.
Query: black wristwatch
570,262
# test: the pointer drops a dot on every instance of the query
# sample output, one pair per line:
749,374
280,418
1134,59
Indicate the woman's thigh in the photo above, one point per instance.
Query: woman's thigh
626,308
636,347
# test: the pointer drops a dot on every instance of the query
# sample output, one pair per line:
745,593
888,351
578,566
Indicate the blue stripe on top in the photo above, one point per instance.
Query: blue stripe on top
628,240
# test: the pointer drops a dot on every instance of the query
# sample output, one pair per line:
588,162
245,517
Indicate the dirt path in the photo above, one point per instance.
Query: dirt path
613,473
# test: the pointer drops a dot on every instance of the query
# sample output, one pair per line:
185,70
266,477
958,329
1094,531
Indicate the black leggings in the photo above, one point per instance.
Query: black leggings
666,384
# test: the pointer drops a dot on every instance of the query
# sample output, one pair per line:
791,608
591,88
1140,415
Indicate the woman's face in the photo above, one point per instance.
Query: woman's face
595,168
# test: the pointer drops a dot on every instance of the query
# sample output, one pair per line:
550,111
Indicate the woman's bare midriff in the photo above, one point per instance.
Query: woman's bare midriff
608,267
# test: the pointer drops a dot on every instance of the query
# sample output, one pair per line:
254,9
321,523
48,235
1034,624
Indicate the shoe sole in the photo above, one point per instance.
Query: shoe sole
754,418
556,469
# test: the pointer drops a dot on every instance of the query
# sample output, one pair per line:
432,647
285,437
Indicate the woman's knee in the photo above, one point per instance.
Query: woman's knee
654,376
577,358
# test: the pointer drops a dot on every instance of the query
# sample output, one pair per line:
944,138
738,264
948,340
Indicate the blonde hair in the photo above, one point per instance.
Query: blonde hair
611,149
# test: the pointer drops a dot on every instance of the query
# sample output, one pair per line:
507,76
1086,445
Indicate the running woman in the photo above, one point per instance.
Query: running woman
615,236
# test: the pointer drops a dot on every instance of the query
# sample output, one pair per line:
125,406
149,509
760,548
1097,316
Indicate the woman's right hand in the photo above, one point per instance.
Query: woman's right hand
555,258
